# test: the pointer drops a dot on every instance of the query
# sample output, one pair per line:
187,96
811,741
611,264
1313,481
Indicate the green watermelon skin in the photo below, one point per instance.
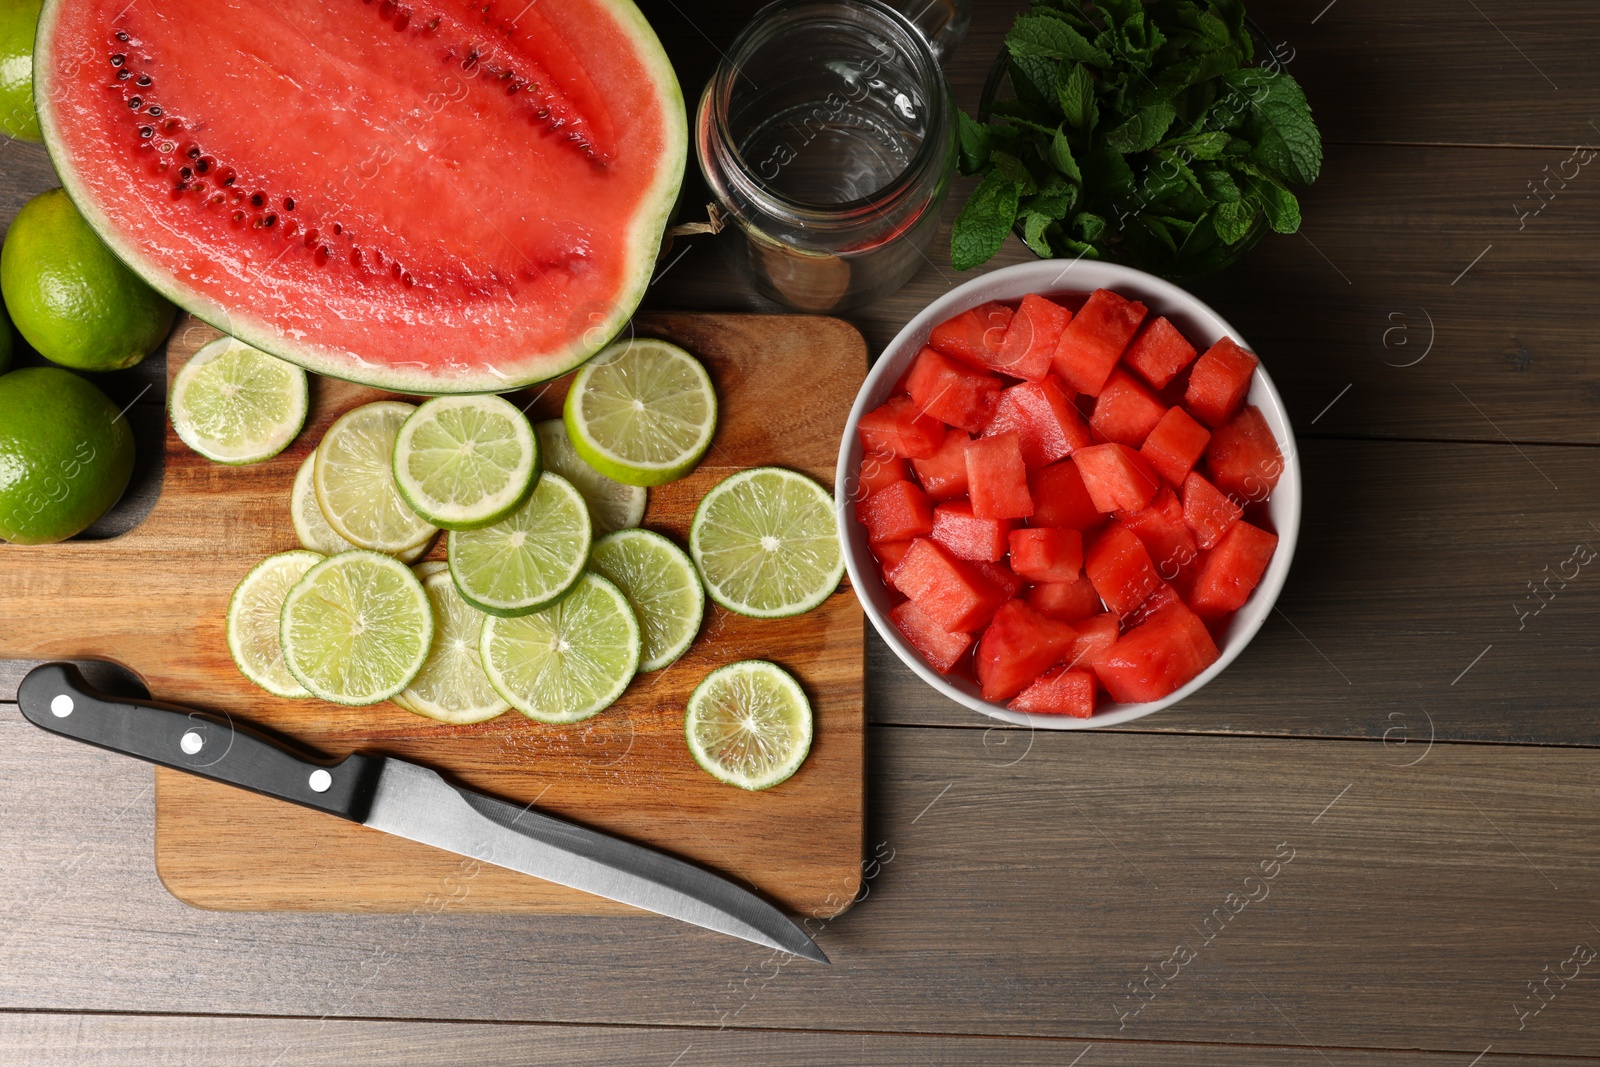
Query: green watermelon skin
428,198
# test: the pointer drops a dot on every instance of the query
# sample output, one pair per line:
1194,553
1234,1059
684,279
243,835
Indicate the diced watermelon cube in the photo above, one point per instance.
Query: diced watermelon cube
1126,410
1164,534
1153,603
899,427
955,593
1068,602
1243,457
879,469
889,554
1208,511
1048,427
897,512
1121,569
1117,477
1031,338
967,537
951,392
1157,658
1003,577
997,478
1060,498
1159,353
1230,573
975,335
1219,382
944,474
1058,692
1093,341
1047,554
1096,637
941,648
1175,445
1017,646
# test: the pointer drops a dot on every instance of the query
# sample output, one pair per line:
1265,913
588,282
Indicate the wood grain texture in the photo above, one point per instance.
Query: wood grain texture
55,1040
155,600
1015,891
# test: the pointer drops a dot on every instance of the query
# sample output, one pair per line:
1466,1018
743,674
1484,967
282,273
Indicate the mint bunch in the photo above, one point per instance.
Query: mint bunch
1138,132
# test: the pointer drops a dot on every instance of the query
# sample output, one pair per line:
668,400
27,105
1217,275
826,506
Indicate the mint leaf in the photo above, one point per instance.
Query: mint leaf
1055,198
1009,166
1143,131
1278,123
1034,79
1089,226
1061,157
1034,225
1040,35
1199,146
975,143
1233,221
982,226
1218,184
1276,202
1075,94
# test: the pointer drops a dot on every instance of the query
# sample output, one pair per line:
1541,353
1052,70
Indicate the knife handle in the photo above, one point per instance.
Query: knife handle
55,697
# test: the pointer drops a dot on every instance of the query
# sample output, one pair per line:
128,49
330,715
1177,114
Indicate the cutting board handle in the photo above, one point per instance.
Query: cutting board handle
56,697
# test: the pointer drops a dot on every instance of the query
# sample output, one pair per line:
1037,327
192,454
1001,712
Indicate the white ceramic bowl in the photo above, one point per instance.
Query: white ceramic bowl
1203,327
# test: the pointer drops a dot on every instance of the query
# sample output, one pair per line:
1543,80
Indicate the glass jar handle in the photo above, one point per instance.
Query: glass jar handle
942,23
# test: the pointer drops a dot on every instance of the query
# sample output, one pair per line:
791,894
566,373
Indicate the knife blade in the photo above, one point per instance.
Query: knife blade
408,800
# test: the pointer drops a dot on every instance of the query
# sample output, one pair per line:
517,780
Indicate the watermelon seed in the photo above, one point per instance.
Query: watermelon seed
320,257
193,151
122,35
433,24
146,132
185,173
270,219
167,146
291,228
118,59
407,280
338,228
203,164
256,199
135,103
238,218
144,79
288,203
394,270
216,200
155,110
311,236
123,75
229,177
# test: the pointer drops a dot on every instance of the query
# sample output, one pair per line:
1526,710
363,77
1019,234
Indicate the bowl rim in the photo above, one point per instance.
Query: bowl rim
1079,276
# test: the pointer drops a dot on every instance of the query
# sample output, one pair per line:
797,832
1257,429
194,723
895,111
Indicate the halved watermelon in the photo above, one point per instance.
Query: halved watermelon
439,198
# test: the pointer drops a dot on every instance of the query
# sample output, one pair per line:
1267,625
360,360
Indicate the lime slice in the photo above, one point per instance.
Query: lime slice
253,616
234,404
451,686
642,412
463,462
357,628
612,505
354,479
662,587
528,559
310,525
749,724
569,661
766,543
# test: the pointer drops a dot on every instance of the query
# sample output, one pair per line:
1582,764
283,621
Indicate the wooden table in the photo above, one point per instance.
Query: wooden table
1414,727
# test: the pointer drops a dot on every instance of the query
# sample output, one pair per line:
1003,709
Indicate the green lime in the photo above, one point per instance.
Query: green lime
310,525
766,543
612,505
73,300
255,615
642,412
5,341
66,454
463,462
530,558
235,404
749,724
18,20
357,628
354,479
569,661
662,587
451,686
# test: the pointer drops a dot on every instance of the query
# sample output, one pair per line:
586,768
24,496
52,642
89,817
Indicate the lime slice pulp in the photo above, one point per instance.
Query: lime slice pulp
749,724
451,686
253,621
234,404
463,462
528,559
354,480
642,412
612,505
662,587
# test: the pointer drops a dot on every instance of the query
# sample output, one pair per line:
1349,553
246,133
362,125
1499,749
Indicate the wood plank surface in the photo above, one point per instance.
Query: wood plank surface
1009,895
155,601
56,1040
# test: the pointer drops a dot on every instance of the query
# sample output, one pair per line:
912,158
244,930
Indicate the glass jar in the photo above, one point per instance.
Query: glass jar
827,136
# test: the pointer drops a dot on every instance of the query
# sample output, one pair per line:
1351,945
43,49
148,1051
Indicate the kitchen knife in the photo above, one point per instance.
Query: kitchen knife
407,800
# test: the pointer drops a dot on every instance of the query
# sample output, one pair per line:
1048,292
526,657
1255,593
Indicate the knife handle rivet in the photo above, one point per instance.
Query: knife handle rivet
61,706
320,781
191,743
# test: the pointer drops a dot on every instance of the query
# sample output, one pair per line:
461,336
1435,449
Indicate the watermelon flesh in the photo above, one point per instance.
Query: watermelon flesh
453,198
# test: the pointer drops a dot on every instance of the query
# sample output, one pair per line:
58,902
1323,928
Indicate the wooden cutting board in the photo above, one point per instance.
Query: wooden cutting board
155,600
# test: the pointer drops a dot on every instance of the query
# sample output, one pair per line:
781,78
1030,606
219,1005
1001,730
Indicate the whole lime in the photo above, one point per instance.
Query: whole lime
5,341
70,297
18,20
66,454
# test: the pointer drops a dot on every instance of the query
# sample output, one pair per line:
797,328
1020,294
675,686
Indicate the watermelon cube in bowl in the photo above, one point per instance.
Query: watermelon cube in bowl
1182,633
